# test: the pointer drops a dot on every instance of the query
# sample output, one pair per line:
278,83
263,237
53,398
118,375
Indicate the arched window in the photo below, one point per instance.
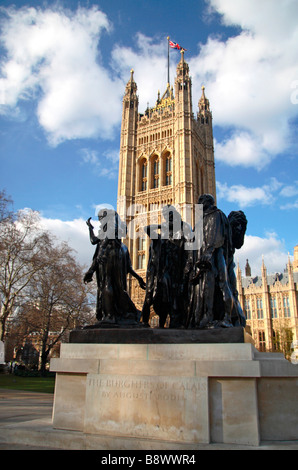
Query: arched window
247,310
260,313
144,165
273,306
286,307
168,178
156,172
262,341
275,341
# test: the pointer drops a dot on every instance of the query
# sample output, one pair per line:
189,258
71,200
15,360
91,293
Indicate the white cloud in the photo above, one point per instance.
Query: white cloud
248,78
282,15
290,190
273,192
75,233
249,196
242,149
106,165
269,248
52,55
90,156
149,65
290,205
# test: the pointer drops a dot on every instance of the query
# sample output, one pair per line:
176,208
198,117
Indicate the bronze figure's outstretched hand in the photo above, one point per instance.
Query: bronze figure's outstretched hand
89,223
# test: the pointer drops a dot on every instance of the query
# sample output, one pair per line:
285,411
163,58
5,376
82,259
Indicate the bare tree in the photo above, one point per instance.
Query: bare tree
42,291
21,256
58,299
5,203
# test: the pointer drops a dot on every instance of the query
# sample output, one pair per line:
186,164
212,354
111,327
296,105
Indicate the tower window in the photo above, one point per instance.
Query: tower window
247,309
168,170
275,341
156,173
262,342
144,176
286,307
260,314
273,307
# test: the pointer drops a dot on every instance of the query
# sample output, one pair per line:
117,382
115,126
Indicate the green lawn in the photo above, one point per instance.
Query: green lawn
30,384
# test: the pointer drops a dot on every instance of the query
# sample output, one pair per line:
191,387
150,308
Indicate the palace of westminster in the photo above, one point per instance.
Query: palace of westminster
167,157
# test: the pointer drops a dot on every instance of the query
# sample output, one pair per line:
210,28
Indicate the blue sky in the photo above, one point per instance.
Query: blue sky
63,70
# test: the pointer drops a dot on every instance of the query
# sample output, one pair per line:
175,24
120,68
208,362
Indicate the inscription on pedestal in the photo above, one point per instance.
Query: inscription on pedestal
166,408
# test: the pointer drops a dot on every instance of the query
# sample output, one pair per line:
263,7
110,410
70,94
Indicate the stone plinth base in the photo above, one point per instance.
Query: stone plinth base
159,335
176,393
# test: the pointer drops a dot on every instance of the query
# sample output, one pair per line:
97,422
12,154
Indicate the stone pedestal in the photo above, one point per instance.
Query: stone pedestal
189,393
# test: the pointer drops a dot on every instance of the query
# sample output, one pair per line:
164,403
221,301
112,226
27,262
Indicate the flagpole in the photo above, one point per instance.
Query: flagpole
168,38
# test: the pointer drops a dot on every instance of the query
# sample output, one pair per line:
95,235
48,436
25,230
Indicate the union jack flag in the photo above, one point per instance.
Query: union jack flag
175,45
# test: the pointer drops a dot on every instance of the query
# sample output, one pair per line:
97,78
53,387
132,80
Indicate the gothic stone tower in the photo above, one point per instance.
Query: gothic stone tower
166,157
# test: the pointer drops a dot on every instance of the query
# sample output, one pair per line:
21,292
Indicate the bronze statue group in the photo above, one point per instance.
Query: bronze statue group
195,287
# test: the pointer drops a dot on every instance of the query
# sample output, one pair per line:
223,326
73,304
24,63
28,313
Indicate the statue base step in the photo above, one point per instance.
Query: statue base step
137,335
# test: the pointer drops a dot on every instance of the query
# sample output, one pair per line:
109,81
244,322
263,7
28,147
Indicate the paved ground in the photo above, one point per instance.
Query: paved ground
17,407
26,424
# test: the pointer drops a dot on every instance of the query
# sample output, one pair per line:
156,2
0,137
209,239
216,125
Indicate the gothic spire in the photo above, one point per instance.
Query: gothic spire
204,104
